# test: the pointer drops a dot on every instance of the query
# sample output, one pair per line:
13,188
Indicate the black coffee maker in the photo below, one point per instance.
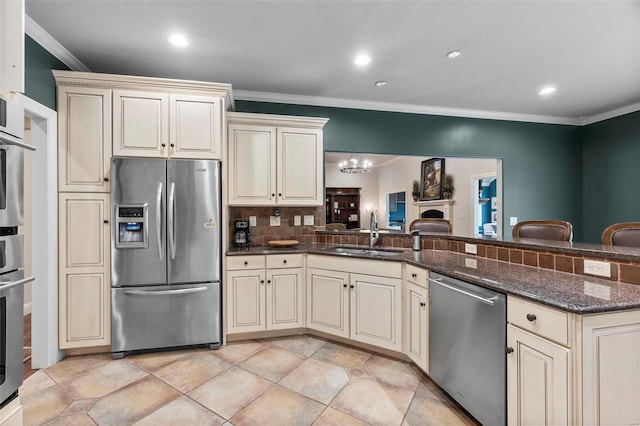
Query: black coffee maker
242,236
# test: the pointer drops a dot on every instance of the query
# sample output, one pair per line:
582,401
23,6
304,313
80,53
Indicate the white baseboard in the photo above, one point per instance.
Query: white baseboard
27,308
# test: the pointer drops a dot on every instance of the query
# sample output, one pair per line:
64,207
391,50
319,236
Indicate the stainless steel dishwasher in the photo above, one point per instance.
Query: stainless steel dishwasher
467,341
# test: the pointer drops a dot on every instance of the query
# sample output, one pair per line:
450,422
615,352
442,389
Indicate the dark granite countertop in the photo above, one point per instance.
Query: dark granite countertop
573,293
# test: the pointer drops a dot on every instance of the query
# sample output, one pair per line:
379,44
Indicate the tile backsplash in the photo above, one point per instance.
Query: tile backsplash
263,232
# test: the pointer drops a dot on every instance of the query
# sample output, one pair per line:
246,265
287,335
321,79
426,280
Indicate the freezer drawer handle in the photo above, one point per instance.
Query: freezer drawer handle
159,220
6,285
164,292
489,301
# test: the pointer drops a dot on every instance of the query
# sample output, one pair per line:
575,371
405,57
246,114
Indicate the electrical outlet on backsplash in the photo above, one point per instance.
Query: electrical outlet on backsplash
263,232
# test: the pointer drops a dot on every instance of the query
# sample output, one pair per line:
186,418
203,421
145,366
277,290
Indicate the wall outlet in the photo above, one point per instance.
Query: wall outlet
274,220
252,221
513,220
470,262
594,267
471,248
308,219
297,220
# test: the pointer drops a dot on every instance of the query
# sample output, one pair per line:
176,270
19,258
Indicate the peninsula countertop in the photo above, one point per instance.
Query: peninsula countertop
568,292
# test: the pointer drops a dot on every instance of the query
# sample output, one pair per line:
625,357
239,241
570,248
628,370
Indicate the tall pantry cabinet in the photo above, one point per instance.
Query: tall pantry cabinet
100,116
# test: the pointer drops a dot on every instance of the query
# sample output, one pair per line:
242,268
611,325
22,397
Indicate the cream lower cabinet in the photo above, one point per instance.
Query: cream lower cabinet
416,315
84,270
538,380
611,369
275,160
264,299
362,307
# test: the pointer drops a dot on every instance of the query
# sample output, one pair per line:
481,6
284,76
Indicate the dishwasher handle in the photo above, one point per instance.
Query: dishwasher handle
489,301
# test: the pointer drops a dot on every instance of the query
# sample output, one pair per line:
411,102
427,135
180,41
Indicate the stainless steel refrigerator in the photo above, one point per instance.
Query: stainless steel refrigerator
165,254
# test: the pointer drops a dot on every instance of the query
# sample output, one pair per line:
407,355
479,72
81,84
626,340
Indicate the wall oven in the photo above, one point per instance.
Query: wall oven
12,277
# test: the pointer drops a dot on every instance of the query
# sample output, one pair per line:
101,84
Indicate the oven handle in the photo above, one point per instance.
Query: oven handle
164,292
10,140
6,285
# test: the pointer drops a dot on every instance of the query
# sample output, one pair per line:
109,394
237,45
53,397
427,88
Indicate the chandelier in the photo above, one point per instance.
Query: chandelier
354,165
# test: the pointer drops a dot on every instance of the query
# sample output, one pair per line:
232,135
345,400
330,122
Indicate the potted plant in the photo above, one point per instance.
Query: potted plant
416,190
447,186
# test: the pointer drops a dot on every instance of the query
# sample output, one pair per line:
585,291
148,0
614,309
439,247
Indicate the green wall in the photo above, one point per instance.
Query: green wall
39,82
542,171
611,162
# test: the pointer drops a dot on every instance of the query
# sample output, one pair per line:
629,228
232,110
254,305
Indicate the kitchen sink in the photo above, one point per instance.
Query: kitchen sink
364,250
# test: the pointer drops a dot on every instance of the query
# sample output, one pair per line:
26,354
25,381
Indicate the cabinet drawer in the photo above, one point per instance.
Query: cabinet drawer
284,261
542,320
245,262
416,275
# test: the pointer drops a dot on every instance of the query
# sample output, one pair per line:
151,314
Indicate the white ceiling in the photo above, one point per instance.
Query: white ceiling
303,51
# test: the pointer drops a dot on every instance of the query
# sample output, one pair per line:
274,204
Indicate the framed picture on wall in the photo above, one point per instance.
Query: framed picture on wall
431,173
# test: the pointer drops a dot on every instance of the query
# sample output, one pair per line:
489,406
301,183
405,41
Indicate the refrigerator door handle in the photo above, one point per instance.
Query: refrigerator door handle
159,220
164,292
171,217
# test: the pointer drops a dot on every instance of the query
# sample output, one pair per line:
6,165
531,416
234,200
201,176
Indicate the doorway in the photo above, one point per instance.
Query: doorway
486,205
396,210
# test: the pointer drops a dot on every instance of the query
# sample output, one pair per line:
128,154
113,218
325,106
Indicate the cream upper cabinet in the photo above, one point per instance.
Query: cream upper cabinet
252,154
140,123
12,45
196,127
148,124
264,299
275,160
84,139
611,368
84,270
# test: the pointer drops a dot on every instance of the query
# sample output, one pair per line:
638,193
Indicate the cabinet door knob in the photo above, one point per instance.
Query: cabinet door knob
268,281
352,286
163,145
106,221
414,275
279,194
344,285
172,145
273,194
509,350
106,179
246,263
423,304
531,317
261,281
284,261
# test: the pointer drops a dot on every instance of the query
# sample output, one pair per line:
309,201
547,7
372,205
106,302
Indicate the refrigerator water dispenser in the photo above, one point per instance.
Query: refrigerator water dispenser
132,226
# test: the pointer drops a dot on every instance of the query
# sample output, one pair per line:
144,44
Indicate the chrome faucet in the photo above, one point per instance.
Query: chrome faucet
373,226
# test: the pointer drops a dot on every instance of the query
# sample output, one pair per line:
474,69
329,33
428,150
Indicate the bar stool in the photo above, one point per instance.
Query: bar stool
554,230
622,234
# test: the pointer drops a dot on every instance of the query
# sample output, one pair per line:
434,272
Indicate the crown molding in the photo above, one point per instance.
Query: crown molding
610,114
406,108
276,120
44,39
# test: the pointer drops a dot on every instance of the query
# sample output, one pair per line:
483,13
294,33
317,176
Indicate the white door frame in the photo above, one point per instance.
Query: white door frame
44,223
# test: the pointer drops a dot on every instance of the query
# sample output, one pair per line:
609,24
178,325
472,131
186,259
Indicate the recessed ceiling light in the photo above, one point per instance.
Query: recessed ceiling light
453,54
547,90
381,83
362,59
178,40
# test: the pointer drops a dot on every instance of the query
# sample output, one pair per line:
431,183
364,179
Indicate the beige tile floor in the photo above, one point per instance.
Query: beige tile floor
285,381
